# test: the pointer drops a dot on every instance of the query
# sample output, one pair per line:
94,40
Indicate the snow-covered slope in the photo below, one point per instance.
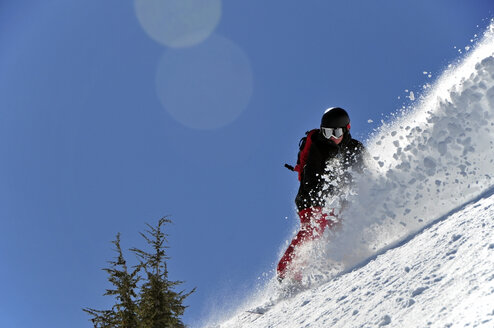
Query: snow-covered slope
424,168
443,277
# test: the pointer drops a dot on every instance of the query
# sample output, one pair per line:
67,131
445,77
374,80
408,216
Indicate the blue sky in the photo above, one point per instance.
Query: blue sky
104,128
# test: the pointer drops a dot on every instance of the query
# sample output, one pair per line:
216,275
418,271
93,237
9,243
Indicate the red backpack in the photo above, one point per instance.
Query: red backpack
304,146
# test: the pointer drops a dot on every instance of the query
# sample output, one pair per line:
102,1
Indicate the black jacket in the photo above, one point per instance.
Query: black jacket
326,170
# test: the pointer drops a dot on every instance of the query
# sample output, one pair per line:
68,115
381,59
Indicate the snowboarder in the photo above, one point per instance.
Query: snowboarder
326,158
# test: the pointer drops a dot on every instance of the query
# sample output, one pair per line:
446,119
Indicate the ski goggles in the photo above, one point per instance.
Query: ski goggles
330,132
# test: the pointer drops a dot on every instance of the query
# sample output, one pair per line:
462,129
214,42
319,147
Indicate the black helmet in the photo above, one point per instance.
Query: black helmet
335,117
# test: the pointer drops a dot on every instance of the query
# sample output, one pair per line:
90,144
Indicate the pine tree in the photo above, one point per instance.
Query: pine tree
124,313
159,305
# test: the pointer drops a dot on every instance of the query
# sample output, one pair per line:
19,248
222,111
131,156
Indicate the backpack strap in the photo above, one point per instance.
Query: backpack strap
303,154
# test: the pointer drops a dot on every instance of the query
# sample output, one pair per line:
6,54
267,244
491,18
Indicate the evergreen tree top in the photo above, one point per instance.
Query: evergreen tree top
152,304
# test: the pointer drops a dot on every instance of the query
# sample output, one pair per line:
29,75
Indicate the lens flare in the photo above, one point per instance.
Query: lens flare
207,86
178,23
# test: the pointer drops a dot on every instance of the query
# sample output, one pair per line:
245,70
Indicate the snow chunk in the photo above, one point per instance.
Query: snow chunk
418,291
429,162
386,320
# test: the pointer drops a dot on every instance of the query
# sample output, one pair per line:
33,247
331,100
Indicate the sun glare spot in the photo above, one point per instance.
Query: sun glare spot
207,86
178,23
